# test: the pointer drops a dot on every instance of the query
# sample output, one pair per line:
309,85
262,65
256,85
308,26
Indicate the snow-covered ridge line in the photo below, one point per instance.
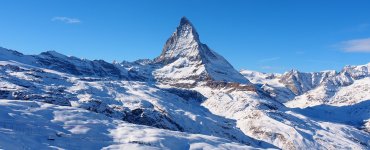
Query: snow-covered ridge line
80,67
316,87
186,61
188,88
131,101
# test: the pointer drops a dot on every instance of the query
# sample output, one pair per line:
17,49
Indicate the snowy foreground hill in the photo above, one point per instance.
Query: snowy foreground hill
189,97
36,125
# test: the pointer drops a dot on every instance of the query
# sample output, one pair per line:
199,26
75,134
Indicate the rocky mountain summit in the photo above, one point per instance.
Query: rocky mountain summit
189,95
314,88
186,61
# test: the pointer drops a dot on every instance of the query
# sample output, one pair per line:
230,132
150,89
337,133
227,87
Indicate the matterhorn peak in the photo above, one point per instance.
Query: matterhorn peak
181,43
187,29
185,58
184,21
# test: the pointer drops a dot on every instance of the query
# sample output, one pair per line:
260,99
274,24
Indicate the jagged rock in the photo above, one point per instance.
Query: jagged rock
187,61
161,93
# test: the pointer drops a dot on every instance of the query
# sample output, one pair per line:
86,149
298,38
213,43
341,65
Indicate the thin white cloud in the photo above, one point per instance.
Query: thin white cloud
66,20
356,45
267,67
269,59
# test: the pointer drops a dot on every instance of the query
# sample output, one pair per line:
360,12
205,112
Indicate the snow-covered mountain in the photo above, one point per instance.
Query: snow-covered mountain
189,97
186,61
299,89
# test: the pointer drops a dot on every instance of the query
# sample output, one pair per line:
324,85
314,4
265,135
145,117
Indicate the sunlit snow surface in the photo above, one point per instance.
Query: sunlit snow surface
188,98
36,125
245,117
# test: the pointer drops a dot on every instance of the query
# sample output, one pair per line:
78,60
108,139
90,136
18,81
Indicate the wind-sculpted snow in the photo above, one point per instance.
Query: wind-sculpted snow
35,125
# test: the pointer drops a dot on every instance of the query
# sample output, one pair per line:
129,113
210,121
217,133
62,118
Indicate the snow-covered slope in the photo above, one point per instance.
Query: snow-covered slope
267,120
190,89
187,61
270,84
132,101
35,125
71,65
299,82
354,93
298,89
339,101
347,87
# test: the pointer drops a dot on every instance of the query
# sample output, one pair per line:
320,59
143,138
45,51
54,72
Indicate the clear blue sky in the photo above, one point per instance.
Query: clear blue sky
268,36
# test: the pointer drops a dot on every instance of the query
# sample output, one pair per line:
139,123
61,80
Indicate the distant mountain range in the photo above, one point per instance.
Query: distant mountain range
189,97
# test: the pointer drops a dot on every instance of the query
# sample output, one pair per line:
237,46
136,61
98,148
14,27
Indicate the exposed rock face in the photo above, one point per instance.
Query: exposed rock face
68,64
299,82
300,89
231,86
182,42
76,66
190,88
186,61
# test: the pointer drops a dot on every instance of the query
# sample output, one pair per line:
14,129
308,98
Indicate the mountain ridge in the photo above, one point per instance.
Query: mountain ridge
294,110
184,57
